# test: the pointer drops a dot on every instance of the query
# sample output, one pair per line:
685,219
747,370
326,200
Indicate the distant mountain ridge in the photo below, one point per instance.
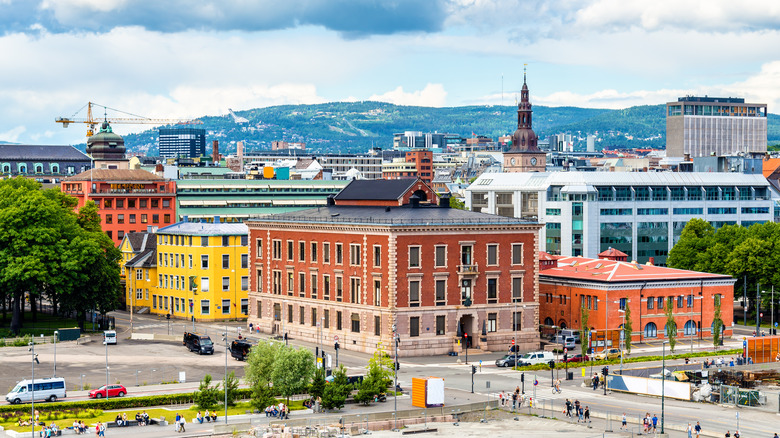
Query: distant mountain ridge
352,127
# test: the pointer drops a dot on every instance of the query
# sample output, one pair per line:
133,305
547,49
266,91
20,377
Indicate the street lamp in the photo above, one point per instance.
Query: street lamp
622,336
663,383
395,376
105,341
224,383
55,352
32,406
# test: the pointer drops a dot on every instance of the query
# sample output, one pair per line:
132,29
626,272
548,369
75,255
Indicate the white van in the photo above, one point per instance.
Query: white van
535,358
49,389
109,337
567,341
573,333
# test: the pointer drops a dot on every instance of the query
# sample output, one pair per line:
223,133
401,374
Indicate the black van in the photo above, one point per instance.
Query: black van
197,342
239,349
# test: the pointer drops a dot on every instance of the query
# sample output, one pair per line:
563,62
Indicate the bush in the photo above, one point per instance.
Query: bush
206,396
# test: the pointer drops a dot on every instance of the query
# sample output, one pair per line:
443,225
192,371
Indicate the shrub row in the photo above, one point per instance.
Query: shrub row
114,403
631,360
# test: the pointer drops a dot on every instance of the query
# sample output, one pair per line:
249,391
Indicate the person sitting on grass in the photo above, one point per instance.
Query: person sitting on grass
207,416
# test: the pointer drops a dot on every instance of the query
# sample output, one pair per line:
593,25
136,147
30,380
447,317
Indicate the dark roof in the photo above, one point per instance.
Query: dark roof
140,241
390,216
146,259
375,189
115,175
23,152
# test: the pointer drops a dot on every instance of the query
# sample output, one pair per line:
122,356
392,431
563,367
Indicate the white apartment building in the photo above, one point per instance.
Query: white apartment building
639,213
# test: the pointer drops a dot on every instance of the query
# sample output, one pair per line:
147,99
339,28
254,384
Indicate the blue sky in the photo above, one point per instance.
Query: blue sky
187,58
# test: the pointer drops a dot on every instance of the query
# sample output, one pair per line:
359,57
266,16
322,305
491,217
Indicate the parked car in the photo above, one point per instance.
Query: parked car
570,332
567,341
576,358
508,360
113,391
610,353
197,342
535,358
239,349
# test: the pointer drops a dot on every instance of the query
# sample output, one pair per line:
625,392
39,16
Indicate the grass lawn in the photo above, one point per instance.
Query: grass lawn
92,416
45,324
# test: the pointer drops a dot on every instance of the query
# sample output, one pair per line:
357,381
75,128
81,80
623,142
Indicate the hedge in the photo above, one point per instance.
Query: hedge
574,365
115,403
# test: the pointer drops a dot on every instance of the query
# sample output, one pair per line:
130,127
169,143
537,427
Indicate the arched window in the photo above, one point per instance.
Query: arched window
55,168
38,168
651,331
562,324
22,168
549,321
670,328
690,328
6,168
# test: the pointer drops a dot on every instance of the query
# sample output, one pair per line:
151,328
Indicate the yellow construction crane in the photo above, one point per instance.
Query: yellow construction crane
136,119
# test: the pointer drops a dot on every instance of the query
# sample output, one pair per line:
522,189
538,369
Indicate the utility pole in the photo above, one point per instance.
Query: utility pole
758,309
744,300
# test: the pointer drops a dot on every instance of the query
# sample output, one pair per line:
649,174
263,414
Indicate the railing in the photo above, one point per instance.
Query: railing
388,221
468,269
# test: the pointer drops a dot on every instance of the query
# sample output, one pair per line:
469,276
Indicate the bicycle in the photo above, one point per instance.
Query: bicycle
556,389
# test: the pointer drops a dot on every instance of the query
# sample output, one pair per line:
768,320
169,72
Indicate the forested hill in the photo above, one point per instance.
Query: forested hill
356,126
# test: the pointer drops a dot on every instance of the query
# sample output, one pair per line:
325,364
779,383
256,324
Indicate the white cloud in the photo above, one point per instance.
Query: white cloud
431,95
13,134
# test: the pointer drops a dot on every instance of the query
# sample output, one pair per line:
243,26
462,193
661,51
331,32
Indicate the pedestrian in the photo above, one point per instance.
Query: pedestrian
690,430
728,435
502,399
568,407
581,415
514,401
176,422
655,422
624,424
736,434
183,421
586,415
646,422
697,429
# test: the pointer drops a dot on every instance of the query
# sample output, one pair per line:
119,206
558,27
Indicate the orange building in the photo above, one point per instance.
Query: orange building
128,200
417,163
606,287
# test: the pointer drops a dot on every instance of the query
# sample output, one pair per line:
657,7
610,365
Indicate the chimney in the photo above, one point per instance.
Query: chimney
215,152
331,200
415,201
651,261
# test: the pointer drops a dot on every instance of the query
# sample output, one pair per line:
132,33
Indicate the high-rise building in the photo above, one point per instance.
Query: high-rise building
704,126
180,142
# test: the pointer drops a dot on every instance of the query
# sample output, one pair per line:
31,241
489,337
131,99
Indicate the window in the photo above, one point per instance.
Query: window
414,256
132,218
301,315
377,292
623,303
244,261
651,331
339,289
314,286
491,322
440,324
277,282
139,274
290,283
377,256
314,252
226,307
290,248
301,284
670,329
204,284
326,318
414,293
660,302
225,240
107,203
492,290
313,316
225,261
244,240
326,287
109,219
204,307
517,253
190,261
259,280
166,218
689,329
339,253
289,313
144,219
440,256
517,319
414,326
354,290
155,218
650,303
225,283
154,301
259,248
245,283
338,320
354,255
204,261
689,301
301,251
204,241
680,302
517,289
377,325
441,292
259,308
492,254
355,320
326,252
276,249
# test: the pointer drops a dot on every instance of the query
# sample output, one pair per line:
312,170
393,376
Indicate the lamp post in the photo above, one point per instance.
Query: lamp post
55,352
663,383
622,336
32,406
395,376
105,341
224,382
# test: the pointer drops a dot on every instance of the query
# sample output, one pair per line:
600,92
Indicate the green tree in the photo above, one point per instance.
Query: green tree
206,397
628,328
381,365
292,371
717,323
457,203
584,329
337,391
259,371
317,387
671,325
231,386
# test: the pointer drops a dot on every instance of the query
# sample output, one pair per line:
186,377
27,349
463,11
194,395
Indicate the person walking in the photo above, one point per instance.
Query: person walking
624,424
697,429
690,430
586,415
183,422
655,423
514,401
728,435
177,423
736,434
568,408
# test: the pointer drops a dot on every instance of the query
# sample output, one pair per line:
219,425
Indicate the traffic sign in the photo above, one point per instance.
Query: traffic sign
775,324
336,338
761,315
513,340
565,350
744,343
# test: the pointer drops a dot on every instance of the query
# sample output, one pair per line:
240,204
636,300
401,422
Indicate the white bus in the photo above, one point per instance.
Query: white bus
49,389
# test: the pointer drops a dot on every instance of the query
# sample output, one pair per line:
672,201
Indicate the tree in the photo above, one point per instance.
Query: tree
628,328
671,325
317,387
381,365
584,329
293,368
231,386
258,372
206,396
695,239
336,392
717,323
457,203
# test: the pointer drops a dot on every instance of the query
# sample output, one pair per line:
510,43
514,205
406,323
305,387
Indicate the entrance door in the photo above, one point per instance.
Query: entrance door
466,323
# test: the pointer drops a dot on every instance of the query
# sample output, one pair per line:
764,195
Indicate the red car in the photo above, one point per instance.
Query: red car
577,358
113,391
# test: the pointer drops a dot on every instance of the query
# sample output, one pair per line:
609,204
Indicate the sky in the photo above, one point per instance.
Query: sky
190,58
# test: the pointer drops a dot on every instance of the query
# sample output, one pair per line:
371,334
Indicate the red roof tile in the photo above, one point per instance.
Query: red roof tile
610,271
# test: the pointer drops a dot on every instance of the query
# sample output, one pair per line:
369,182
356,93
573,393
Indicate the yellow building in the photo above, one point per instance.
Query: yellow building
202,271
139,270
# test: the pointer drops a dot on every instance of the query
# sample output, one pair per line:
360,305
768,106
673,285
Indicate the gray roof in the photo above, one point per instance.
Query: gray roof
376,189
391,216
205,229
24,152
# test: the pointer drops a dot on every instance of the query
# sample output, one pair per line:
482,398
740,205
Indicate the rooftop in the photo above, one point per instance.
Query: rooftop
608,271
376,190
115,175
406,215
205,229
23,152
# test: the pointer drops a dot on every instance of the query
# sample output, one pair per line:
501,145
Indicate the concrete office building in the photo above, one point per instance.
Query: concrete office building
182,142
703,126
639,213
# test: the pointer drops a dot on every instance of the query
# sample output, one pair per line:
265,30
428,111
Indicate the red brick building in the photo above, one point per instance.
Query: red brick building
352,271
605,287
128,200
420,165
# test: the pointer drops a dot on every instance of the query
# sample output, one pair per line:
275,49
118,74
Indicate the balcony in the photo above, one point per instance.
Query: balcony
468,269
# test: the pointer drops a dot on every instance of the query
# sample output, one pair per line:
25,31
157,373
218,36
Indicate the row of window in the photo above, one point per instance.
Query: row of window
131,203
182,240
181,305
177,260
651,330
179,282
415,253
678,193
658,302
38,168
120,218
683,211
